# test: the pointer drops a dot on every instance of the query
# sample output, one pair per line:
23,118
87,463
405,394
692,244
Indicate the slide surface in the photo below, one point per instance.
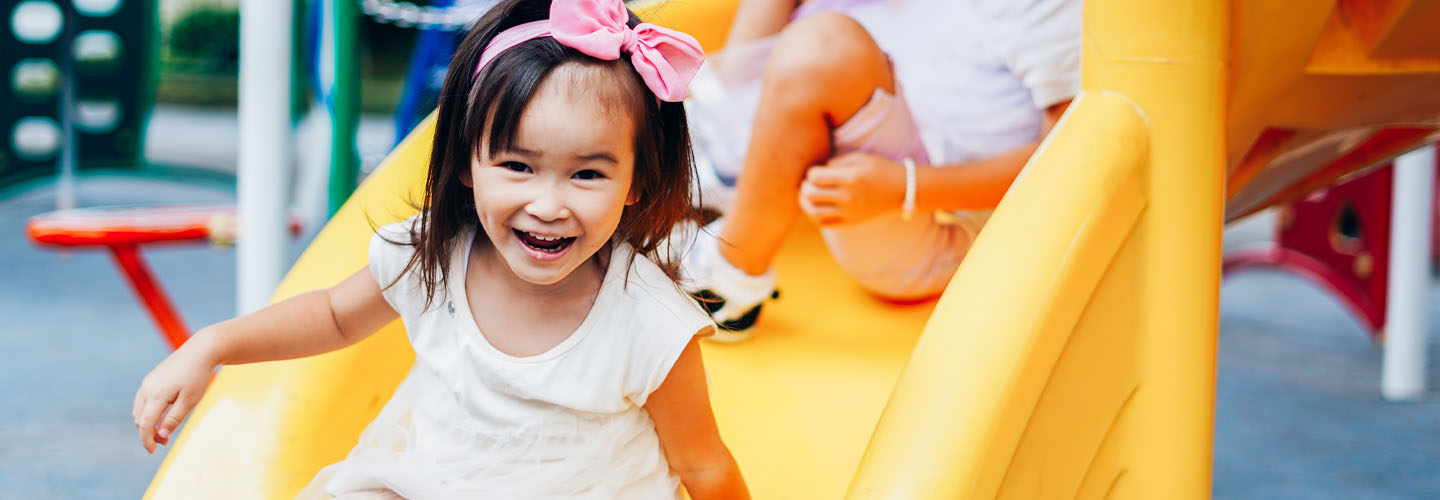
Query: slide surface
796,404
1073,355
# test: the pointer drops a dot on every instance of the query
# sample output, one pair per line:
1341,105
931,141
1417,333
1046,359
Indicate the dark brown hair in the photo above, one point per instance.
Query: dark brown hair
492,102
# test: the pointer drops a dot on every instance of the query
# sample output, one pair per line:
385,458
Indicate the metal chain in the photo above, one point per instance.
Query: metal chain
409,15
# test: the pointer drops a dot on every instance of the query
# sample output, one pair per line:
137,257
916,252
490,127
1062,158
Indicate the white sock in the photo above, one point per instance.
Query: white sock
704,268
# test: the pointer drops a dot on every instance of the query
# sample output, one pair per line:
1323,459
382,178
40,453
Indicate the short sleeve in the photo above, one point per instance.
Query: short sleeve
1039,41
666,352
667,319
390,252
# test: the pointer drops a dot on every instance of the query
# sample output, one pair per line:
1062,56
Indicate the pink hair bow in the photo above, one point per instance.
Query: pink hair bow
664,58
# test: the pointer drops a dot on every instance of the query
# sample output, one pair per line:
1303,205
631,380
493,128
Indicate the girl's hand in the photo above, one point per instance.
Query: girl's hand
171,390
852,188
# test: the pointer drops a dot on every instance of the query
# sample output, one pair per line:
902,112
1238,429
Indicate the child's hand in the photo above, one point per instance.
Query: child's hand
852,188
174,385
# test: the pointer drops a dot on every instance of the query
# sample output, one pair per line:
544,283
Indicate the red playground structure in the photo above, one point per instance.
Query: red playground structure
1339,238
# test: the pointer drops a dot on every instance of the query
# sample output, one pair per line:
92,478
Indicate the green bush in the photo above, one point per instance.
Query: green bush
209,37
201,57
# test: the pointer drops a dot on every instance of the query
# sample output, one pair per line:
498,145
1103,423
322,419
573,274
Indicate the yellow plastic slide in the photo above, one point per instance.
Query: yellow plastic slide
1073,354
796,405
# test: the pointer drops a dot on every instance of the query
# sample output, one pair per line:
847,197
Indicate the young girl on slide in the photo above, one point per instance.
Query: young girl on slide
554,357
894,125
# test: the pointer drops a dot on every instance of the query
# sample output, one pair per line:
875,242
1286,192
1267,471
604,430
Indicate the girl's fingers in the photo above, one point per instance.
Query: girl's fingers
826,196
146,425
135,408
141,395
824,203
823,195
160,434
824,176
804,198
176,414
154,407
824,215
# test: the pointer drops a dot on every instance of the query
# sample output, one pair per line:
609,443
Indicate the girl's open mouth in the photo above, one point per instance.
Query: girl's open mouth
546,245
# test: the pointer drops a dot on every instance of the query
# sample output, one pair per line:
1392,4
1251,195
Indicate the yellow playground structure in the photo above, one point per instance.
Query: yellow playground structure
1073,355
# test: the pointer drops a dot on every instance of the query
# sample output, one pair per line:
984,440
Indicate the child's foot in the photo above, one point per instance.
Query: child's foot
732,297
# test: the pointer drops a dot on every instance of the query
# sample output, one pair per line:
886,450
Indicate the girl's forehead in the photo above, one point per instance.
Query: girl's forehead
577,106
612,83
575,113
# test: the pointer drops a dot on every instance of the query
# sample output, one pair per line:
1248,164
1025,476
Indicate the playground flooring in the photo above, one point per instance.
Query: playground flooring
1298,410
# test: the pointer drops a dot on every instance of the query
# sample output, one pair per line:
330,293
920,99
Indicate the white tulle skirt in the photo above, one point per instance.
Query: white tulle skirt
425,445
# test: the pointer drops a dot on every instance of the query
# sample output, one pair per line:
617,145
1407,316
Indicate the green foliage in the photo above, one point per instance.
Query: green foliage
208,37
201,57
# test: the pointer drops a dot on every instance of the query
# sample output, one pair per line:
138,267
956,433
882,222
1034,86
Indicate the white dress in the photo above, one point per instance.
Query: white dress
470,421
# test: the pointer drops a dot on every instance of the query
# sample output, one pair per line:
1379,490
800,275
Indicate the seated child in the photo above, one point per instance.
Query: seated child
896,126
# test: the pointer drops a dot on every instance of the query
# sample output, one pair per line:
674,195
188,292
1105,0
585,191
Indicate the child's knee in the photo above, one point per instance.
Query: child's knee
826,46
830,29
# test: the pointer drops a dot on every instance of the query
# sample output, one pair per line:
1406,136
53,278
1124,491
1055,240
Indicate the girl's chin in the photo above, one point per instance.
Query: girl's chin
542,280
540,272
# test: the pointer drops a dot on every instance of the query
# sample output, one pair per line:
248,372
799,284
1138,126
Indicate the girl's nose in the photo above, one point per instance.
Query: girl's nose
548,206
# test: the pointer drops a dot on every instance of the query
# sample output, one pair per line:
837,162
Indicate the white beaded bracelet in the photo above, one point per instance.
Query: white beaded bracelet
908,208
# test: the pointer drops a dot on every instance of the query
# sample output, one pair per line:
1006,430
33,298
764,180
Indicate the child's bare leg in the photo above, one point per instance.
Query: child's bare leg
758,19
824,68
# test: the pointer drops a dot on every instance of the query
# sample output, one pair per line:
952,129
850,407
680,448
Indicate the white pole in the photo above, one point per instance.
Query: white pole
264,150
1403,371
70,148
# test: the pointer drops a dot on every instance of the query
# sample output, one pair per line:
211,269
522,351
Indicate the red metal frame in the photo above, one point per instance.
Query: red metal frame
123,231
1351,295
1309,243
150,293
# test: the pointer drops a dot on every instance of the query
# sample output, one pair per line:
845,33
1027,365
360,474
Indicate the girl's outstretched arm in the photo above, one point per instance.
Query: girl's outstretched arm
304,325
680,408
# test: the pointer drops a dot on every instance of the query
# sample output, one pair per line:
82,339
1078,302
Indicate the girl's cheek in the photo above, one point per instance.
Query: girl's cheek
609,203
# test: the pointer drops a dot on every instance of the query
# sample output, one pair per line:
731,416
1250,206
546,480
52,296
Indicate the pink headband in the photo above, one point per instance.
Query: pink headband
665,59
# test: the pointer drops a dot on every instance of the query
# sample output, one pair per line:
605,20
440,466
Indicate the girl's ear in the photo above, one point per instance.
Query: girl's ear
465,177
633,197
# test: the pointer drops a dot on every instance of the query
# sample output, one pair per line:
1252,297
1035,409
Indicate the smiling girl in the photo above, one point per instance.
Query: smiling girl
555,358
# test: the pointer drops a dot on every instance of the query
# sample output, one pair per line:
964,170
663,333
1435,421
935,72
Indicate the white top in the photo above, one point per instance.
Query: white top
976,73
470,421
979,73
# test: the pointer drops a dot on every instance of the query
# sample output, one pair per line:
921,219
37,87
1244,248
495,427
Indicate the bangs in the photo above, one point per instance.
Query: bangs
503,89
501,92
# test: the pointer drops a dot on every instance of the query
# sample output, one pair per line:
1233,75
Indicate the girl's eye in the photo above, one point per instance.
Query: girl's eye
586,175
515,166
